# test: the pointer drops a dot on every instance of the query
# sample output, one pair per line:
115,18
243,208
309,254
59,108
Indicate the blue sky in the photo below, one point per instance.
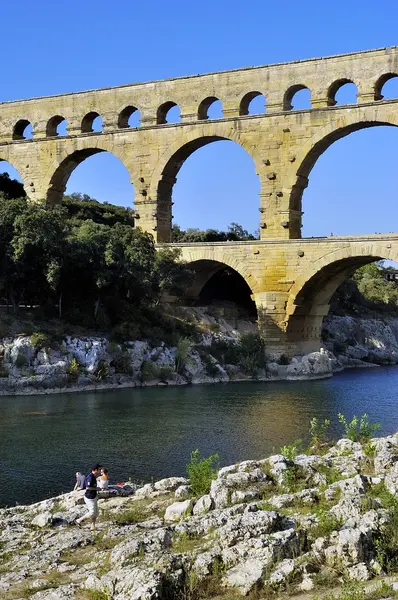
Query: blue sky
58,46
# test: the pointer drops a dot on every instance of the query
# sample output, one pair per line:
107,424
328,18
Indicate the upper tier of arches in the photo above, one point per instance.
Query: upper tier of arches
250,103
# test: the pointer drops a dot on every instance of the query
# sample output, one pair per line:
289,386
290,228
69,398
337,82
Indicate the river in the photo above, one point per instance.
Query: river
149,433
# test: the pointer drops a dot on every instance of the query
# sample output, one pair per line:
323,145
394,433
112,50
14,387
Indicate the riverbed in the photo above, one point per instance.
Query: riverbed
148,433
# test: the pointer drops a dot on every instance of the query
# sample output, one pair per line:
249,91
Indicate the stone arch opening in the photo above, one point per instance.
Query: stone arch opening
169,112
92,123
253,103
104,178
129,117
386,87
342,91
222,286
22,130
344,188
210,108
214,180
11,184
297,97
309,301
56,126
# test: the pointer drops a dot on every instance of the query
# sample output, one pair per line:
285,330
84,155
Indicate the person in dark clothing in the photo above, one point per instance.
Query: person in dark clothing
90,497
80,482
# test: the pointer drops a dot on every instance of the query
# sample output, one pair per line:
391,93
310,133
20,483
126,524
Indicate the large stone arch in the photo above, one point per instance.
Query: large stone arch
217,280
336,129
309,297
70,157
171,160
219,255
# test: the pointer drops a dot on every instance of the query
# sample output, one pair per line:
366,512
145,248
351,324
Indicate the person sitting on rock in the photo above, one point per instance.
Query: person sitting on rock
103,480
80,481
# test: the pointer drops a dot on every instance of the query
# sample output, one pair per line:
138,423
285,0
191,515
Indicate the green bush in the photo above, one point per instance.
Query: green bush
318,430
290,451
386,544
283,360
358,429
166,372
252,352
201,472
149,370
125,332
102,370
184,346
40,340
73,368
327,523
121,362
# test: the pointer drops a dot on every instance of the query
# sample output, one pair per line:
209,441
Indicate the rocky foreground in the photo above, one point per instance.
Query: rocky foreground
265,526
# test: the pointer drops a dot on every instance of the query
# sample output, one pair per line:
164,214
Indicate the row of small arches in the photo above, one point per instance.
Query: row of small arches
296,97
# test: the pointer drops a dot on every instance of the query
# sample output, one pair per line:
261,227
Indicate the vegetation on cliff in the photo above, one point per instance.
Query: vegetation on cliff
84,263
367,291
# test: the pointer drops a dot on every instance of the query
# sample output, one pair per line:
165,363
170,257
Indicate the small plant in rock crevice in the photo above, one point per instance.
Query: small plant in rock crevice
201,472
318,431
290,451
327,522
73,368
40,340
183,349
358,429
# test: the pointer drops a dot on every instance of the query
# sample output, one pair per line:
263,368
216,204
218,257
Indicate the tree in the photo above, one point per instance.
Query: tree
173,275
39,247
11,188
235,233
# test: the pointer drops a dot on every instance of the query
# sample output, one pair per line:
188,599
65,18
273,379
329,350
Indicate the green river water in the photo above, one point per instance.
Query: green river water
149,433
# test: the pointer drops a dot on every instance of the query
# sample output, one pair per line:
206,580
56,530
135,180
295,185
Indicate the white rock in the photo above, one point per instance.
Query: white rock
203,505
282,571
182,491
170,484
358,572
245,575
42,519
178,510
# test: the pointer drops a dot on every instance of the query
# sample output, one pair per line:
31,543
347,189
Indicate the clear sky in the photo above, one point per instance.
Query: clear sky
57,46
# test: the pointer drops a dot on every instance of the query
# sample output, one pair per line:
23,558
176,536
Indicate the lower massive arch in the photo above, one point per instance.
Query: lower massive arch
215,280
318,144
310,296
220,254
171,161
67,165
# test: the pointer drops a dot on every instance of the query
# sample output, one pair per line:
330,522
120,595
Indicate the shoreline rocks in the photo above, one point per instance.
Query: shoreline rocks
275,524
93,363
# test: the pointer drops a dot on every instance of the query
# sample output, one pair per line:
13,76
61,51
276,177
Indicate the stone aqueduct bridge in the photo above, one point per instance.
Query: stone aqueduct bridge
291,279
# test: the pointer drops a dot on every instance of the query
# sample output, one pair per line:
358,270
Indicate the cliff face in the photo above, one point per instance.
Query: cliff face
357,342
27,366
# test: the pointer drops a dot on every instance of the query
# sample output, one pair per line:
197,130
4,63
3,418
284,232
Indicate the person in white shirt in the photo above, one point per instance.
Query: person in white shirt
103,480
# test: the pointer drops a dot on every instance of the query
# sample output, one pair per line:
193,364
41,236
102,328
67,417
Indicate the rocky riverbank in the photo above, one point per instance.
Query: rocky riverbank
295,524
34,364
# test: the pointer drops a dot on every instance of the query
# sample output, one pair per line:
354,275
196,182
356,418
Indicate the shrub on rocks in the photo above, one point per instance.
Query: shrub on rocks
201,472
